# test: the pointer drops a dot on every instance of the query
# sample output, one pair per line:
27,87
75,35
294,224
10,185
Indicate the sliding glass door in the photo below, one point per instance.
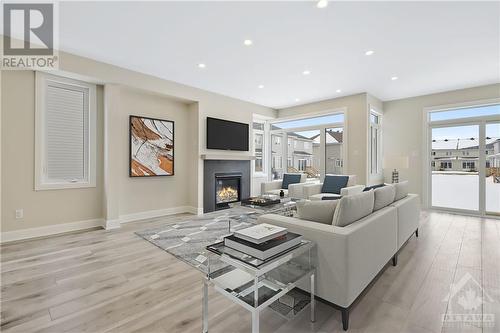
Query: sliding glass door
464,159
492,170
454,167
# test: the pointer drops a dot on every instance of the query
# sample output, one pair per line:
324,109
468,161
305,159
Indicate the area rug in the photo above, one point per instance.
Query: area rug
187,240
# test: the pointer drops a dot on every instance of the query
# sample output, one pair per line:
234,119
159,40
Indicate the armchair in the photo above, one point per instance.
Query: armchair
294,190
333,187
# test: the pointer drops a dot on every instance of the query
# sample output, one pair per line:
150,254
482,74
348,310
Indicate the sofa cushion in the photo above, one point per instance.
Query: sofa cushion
384,196
333,184
317,211
352,208
401,190
372,187
290,178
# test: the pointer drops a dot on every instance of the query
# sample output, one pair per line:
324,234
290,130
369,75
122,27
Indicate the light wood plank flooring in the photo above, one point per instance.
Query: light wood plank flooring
114,281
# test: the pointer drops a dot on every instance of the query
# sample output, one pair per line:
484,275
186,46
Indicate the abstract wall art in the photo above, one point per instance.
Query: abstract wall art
151,147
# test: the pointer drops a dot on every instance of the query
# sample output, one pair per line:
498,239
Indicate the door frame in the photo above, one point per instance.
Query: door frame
427,144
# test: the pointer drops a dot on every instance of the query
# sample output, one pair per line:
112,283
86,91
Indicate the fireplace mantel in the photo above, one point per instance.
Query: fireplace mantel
227,157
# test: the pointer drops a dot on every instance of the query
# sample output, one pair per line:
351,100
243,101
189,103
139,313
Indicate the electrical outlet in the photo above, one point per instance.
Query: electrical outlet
19,213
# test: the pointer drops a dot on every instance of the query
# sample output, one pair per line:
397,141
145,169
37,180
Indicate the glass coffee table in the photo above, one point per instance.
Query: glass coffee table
255,284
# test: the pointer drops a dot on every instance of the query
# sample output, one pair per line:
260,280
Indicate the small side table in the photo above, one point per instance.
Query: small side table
255,284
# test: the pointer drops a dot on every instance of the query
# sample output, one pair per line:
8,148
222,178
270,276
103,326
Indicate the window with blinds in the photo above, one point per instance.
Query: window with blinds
65,125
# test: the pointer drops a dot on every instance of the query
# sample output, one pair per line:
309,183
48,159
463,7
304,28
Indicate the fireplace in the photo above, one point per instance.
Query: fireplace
227,189
214,170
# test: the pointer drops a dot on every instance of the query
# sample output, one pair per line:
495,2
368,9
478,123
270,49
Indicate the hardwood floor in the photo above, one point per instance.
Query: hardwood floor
114,281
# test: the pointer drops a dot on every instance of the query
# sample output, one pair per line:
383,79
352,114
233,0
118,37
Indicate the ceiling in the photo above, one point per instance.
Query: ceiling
429,46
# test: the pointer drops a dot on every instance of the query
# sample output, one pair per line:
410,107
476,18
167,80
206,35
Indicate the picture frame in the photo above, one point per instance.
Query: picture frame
151,147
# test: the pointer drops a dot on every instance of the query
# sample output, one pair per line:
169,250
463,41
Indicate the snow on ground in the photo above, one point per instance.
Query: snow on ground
462,191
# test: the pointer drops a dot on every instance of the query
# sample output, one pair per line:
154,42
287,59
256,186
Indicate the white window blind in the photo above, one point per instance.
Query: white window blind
65,133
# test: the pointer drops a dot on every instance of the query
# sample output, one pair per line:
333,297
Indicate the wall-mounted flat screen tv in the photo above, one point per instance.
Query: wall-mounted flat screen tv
226,135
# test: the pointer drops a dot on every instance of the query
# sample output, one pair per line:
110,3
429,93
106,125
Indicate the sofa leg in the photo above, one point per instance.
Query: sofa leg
395,260
416,232
345,318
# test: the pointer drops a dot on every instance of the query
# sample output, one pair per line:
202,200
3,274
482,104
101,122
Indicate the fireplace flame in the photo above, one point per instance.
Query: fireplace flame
227,194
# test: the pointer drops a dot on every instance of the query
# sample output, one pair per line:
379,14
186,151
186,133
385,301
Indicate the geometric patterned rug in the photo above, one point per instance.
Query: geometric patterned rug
188,239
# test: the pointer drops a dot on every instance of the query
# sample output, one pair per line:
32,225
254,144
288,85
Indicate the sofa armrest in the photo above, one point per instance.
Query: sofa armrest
296,191
312,190
356,189
408,210
268,186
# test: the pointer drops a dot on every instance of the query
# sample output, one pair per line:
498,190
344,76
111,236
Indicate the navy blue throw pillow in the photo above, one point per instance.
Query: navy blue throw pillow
332,198
290,179
373,187
333,184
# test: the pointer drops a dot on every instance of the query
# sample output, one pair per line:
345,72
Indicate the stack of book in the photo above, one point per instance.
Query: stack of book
263,241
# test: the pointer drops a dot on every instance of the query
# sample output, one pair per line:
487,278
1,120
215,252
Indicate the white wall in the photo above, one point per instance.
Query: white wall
138,195
403,123
41,208
115,195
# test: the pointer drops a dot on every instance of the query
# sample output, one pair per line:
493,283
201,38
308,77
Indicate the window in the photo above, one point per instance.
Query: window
331,118
375,154
258,146
277,140
305,138
468,165
477,111
302,163
65,132
445,165
277,162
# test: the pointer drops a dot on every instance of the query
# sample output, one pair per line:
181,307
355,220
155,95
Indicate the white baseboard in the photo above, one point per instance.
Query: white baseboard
111,224
16,235
158,213
11,236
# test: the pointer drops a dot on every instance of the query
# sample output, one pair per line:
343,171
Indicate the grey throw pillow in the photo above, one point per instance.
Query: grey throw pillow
317,211
401,190
384,196
352,208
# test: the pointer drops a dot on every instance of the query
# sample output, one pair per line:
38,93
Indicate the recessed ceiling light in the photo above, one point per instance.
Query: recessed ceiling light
261,86
338,90
248,42
369,52
322,3
297,100
306,72
202,65
394,78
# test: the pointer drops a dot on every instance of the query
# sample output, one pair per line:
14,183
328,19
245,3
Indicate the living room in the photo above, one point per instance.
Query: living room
130,155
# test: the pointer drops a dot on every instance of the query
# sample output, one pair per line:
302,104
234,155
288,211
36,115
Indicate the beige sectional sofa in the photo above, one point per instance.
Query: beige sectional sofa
350,256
